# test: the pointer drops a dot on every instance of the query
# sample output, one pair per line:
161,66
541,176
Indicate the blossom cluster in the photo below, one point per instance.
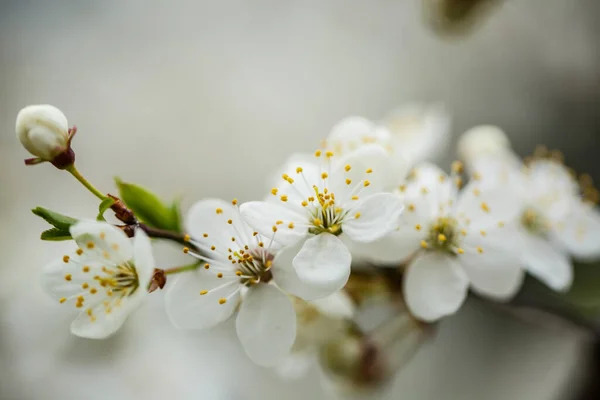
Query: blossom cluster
368,195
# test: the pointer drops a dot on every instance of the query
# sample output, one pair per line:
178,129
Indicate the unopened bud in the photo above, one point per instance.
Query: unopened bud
44,132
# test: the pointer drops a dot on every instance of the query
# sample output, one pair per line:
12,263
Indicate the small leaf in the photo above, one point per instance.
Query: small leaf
176,215
104,205
148,208
55,219
56,234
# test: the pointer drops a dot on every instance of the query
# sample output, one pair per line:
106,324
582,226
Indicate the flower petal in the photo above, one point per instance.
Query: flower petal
263,216
492,263
323,261
65,279
546,262
370,157
429,190
142,257
266,325
188,309
393,248
375,217
485,209
434,286
100,322
207,222
102,241
422,131
337,305
353,132
286,277
580,232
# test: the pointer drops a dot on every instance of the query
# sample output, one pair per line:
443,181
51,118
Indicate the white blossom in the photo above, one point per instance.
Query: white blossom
321,201
241,270
483,142
44,131
553,219
451,241
106,278
421,132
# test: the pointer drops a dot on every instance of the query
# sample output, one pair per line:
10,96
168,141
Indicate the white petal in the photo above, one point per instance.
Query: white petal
546,262
266,325
101,323
353,132
142,257
419,130
393,248
102,241
323,261
207,222
263,216
302,181
492,263
337,305
485,209
434,286
61,279
580,232
378,216
370,157
430,187
286,277
188,309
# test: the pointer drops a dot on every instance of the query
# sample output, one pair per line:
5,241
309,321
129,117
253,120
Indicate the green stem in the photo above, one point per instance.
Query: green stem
75,172
183,268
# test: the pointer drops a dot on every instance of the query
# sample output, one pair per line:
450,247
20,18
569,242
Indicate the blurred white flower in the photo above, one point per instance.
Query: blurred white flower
237,272
106,278
421,132
456,240
44,132
323,200
318,322
553,219
480,143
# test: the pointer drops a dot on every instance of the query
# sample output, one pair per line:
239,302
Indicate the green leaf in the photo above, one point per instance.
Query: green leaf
104,205
55,219
56,234
148,208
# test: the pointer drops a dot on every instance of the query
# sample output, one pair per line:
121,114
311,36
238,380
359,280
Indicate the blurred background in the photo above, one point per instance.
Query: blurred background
204,99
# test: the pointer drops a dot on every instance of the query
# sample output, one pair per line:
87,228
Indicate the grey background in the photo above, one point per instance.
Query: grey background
201,98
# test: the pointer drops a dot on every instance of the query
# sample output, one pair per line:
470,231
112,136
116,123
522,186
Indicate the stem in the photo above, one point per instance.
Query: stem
164,234
75,172
183,268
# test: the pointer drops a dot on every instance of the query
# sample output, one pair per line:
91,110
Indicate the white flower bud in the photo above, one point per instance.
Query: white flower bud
44,131
482,140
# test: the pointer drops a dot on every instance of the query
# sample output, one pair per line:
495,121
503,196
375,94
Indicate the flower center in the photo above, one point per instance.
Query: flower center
117,282
443,236
326,216
253,266
534,222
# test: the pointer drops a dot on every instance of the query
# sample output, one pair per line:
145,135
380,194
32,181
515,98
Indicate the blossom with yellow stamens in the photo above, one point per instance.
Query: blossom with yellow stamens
328,198
555,217
244,271
105,279
455,241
